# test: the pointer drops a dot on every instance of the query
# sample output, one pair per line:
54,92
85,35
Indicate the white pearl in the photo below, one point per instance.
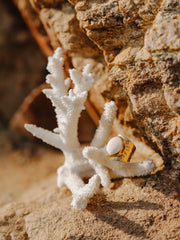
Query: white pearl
114,145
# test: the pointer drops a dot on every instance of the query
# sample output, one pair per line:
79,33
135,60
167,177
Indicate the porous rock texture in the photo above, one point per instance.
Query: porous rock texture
133,46
32,208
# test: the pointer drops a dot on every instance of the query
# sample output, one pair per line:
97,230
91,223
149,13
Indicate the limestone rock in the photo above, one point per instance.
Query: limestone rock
141,41
141,73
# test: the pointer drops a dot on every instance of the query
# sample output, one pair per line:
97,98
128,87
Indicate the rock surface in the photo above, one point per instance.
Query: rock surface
32,208
141,42
133,47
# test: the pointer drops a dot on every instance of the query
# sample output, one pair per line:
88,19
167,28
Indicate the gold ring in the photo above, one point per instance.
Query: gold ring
120,148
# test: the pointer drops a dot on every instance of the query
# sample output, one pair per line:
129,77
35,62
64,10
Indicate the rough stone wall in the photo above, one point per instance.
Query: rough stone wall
31,206
133,46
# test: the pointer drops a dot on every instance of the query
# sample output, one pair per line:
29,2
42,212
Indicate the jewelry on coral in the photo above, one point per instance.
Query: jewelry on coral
120,148
92,161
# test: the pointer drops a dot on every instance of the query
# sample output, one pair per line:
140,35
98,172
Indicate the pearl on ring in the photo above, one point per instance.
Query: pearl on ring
114,145
120,148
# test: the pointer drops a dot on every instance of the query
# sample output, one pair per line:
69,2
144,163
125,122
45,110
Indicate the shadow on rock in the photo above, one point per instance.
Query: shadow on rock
165,181
107,211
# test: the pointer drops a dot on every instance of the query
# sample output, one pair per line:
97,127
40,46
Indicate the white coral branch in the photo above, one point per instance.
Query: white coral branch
91,162
45,135
84,82
102,133
82,194
118,168
56,76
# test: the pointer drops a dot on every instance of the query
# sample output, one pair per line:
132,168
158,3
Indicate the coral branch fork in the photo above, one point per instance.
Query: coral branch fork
92,162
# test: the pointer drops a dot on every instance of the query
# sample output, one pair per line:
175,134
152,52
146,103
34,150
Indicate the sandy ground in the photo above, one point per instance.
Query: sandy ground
32,207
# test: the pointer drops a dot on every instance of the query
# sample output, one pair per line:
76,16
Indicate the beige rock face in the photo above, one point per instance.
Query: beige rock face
139,41
133,47
146,66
